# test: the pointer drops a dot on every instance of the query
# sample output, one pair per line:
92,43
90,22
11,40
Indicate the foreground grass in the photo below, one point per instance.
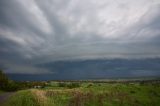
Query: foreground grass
22,98
90,94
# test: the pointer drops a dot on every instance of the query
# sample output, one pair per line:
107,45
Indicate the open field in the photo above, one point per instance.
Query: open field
89,94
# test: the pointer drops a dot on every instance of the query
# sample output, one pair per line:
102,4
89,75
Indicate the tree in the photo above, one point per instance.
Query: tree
3,80
7,84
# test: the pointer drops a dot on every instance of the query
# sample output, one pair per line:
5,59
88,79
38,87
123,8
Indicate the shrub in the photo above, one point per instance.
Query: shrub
6,84
69,85
73,85
62,84
132,91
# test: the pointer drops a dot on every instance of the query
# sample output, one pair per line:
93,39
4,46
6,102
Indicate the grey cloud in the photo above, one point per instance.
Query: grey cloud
25,69
42,31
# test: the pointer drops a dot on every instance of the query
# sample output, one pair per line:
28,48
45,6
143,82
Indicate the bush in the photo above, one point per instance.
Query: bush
6,84
69,85
62,84
73,85
12,86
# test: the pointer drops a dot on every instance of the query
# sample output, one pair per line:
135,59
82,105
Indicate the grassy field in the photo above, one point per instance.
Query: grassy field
89,94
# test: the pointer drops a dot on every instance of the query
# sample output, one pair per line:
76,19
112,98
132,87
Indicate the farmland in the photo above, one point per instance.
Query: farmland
89,93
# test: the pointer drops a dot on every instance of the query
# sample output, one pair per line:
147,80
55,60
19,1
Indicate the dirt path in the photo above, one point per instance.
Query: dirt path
5,96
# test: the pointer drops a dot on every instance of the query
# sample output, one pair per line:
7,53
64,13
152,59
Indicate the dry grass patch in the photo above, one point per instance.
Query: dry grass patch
40,96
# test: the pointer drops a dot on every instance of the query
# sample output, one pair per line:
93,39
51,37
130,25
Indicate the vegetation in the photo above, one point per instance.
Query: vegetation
22,98
82,93
69,84
1,92
8,85
90,94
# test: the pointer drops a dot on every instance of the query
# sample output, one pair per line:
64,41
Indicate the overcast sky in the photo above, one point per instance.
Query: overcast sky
40,31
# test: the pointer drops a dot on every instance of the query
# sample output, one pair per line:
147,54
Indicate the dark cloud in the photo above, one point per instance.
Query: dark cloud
36,31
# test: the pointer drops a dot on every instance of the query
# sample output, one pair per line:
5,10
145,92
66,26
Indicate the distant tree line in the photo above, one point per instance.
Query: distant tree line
9,85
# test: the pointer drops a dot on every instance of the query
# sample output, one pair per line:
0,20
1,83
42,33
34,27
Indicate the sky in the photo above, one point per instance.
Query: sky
42,31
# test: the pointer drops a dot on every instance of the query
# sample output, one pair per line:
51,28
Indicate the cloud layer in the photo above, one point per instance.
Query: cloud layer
38,31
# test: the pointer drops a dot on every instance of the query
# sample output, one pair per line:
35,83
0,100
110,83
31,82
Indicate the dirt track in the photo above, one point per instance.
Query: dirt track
5,96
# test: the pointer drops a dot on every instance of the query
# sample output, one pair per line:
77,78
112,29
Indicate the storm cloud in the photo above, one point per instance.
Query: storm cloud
36,31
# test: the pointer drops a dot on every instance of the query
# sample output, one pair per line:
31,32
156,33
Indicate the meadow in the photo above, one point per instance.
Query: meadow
89,94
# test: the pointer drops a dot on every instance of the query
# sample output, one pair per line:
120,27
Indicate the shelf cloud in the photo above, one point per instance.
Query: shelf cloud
37,31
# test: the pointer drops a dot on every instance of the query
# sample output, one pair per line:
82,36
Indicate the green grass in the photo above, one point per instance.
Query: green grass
90,94
22,98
